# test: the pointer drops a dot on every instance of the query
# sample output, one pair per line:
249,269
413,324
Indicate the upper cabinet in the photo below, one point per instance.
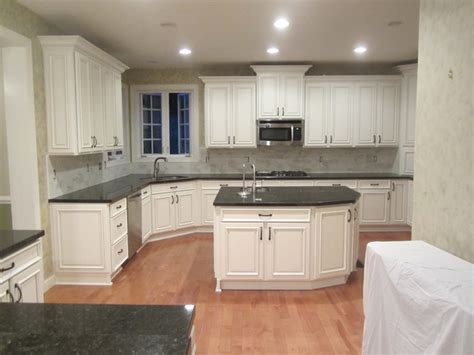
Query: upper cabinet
229,109
280,91
408,104
83,96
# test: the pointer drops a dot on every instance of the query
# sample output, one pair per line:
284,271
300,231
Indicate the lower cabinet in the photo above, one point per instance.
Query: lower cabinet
375,206
409,202
146,218
398,202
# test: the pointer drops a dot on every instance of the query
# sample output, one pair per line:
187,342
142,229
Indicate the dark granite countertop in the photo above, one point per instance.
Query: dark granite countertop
117,189
94,329
12,240
288,196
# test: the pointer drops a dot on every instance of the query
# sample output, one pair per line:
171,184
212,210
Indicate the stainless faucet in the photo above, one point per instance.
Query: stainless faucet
244,191
156,166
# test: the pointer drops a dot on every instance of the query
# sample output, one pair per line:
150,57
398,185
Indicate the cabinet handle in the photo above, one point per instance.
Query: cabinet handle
95,140
380,138
393,186
120,251
265,215
12,265
350,216
325,139
374,184
278,111
233,139
269,233
12,299
92,143
283,111
261,233
173,187
172,199
330,139
119,225
223,185
336,184
177,198
17,287
118,207
356,214
145,192
388,196
375,139
228,139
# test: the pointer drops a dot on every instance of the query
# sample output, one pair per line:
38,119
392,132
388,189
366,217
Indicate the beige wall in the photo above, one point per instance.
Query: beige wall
21,20
443,185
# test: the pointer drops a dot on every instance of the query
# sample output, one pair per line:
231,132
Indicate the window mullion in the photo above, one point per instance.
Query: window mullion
165,120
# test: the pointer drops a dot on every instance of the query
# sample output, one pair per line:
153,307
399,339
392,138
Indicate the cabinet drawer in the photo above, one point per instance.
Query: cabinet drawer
146,192
266,215
374,184
19,259
181,186
268,182
296,183
352,184
118,226
117,207
216,185
119,253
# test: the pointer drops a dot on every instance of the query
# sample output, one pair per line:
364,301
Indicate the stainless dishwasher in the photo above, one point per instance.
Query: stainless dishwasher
134,216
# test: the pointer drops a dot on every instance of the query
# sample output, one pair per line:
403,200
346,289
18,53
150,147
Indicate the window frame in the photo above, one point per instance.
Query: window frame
137,121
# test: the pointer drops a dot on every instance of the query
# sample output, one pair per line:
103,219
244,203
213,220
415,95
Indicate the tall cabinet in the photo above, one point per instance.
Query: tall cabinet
83,96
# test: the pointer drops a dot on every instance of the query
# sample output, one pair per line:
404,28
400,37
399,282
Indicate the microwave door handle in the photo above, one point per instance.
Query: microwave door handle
292,133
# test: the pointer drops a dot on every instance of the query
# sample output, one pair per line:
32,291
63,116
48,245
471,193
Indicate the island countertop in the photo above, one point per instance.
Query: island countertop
79,328
12,240
288,196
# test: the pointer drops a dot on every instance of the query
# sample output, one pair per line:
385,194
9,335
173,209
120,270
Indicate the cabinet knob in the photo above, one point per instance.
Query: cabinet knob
380,138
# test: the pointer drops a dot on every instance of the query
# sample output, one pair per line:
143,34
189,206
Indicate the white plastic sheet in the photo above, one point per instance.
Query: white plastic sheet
417,299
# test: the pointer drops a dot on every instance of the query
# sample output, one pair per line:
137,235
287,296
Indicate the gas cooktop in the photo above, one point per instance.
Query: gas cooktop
281,173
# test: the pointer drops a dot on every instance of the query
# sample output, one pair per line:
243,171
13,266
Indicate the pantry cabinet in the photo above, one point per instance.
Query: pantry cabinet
83,96
280,91
229,109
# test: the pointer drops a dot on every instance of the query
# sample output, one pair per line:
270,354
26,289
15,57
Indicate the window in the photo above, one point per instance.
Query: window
165,123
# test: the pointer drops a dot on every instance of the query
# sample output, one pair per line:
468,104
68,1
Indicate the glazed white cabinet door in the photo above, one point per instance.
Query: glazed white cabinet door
410,110
163,209
365,114
207,206
287,251
375,206
27,285
340,129
268,93
291,101
409,202
398,202
241,251
332,247
146,218
388,114
83,95
218,114
317,114
97,104
355,235
113,115
185,202
243,115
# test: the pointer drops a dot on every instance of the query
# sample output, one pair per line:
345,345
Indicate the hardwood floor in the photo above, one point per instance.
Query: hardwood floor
180,271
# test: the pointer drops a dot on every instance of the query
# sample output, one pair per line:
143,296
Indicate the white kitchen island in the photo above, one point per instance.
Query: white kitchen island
285,238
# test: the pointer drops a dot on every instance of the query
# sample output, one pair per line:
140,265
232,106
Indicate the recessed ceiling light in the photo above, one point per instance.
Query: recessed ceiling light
360,49
272,50
281,23
185,51
394,23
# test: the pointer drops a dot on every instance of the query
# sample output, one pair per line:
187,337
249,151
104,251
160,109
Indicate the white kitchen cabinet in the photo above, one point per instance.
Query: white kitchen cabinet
375,206
280,91
365,114
398,202
230,112
388,108
209,191
408,104
287,251
27,285
409,202
146,218
317,114
340,121
242,251
83,101
296,183
164,212
333,252
355,236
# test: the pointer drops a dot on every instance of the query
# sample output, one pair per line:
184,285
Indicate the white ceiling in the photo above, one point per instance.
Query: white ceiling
238,31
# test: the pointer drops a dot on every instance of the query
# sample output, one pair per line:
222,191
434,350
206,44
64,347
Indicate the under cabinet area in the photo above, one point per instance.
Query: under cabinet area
83,96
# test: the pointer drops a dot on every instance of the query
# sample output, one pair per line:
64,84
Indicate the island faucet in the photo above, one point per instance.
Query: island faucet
244,191
156,166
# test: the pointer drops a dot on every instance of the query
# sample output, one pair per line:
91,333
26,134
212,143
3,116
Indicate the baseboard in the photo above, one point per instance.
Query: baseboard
49,282
179,233
384,228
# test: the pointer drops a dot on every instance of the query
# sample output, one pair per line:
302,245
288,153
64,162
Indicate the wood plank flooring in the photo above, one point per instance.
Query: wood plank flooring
180,271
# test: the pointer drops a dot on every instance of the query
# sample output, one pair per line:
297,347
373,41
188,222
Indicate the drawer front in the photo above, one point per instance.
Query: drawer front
296,183
146,192
118,226
179,186
26,256
268,182
216,185
117,207
352,184
266,215
119,253
374,184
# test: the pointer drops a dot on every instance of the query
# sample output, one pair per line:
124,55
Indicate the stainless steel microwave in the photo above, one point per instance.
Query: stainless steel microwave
280,132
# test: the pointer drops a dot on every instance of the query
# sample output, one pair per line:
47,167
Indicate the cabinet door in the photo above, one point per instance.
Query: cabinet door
410,202
5,295
375,206
291,95
110,105
207,206
185,206
341,114
332,247
287,251
97,104
355,236
163,210
398,202
118,110
317,114
410,113
241,251
268,91
83,95
27,286
388,114
218,113
244,124
365,113
146,218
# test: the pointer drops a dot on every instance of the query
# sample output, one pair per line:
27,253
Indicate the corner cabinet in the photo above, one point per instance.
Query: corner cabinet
280,91
229,110
83,96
